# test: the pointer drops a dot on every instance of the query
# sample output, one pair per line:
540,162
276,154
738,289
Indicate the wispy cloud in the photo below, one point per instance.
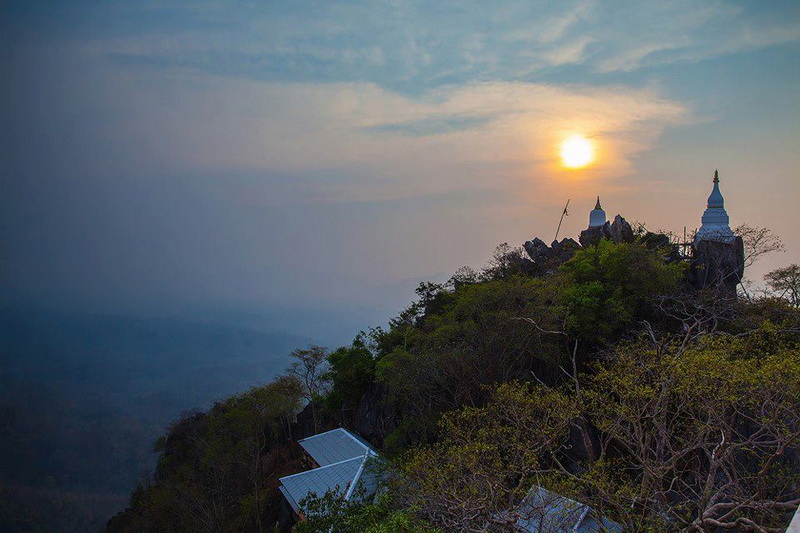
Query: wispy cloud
467,137
395,44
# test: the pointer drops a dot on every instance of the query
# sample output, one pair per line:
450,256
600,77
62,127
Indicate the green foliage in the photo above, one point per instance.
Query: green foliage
692,428
609,284
677,438
606,381
487,458
331,513
214,468
352,371
475,338
504,325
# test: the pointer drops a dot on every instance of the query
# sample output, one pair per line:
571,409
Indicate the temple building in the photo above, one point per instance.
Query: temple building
717,253
715,219
597,217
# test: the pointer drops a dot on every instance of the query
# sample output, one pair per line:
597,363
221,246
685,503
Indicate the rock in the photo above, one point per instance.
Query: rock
566,249
718,265
546,258
376,415
620,231
537,250
591,236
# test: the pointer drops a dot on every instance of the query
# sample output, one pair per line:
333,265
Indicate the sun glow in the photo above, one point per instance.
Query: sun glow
577,151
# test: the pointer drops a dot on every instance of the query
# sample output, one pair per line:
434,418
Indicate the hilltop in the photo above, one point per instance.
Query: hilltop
605,374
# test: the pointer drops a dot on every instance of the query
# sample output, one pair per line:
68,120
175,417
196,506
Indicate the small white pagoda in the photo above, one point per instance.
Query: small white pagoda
715,219
597,217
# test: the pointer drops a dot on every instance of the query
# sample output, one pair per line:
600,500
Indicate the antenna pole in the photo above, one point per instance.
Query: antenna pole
564,212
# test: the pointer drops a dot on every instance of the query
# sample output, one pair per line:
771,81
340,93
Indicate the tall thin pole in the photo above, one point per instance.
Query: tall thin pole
563,213
684,248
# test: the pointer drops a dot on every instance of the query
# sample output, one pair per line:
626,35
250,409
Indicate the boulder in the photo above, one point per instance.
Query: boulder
537,250
620,231
718,265
591,236
565,249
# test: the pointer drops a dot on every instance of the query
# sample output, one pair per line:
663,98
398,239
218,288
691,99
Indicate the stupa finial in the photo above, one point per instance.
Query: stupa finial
597,206
716,176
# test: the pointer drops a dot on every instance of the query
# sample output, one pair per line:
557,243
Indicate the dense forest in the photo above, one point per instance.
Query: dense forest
600,374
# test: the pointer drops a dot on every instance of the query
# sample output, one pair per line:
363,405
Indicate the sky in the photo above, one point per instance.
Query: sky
171,154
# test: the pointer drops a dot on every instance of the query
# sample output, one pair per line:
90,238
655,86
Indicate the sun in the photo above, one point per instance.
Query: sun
577,151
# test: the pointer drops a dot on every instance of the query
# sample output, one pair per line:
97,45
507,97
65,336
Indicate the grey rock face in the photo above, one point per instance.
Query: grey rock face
620,230
718,265
376,415
547,257
537,249
591,236
617,231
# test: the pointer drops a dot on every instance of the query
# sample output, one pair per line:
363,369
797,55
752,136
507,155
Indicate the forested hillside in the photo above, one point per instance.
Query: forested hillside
604,377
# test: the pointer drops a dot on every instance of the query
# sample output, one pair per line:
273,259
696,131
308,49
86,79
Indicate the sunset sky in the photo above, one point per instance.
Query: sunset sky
328,155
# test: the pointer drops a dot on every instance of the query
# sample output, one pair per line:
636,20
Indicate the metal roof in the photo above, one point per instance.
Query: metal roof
334,446
344,468
336,477
794,527
544,511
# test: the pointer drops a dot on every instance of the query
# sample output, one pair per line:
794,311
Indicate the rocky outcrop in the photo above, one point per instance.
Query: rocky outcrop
717,265
549,257
376,415
565,249
537,250
617,231
620,230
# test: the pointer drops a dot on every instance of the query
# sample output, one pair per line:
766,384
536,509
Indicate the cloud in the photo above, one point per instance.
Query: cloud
383,143
261,151
414,46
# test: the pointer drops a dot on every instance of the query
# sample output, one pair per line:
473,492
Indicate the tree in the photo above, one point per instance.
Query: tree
217,471
310,368
607,285
676,438
785,284
330,512
507,261
486,460
758,242
352,370
698,439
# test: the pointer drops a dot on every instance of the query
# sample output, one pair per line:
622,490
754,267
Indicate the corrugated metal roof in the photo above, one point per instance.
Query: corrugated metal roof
345,467
336,477
547,512
334,446
794,527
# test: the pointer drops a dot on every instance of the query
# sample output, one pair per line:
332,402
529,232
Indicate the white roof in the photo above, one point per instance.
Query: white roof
344,469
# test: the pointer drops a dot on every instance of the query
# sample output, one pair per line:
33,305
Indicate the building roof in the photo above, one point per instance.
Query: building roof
544,511
794,527
344,468
334,446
